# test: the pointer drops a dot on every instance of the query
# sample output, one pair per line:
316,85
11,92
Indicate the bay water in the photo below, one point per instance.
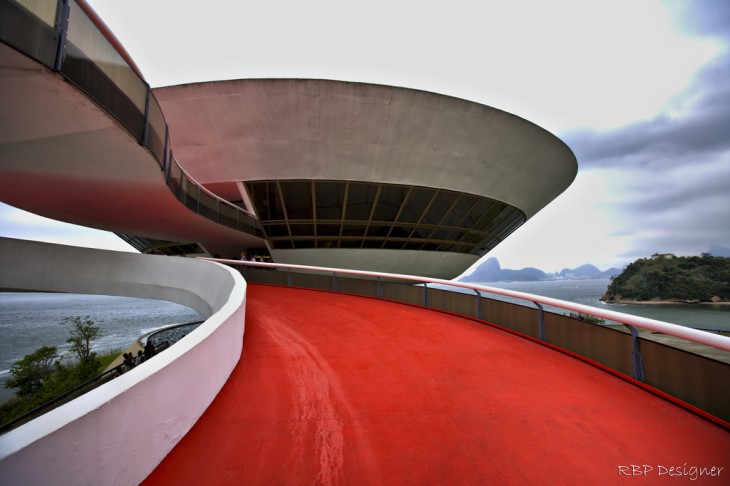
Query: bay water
31,320
708,317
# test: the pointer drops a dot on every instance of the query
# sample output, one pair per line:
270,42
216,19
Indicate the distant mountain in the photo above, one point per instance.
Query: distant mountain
491,271
588,271
528,274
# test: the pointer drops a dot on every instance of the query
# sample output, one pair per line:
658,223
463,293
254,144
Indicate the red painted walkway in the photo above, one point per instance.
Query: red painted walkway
336,389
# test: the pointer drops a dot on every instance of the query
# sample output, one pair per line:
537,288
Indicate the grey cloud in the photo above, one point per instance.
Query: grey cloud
701,130
664,190
704,17
677,170
678,211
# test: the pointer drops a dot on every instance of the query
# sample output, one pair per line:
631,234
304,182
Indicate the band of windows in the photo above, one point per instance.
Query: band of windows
349,214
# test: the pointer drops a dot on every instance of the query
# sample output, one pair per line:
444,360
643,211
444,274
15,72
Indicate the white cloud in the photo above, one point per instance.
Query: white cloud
579,227
562,64
16,223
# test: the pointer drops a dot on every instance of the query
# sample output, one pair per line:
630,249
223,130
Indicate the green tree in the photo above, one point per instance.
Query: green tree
32,371
82,332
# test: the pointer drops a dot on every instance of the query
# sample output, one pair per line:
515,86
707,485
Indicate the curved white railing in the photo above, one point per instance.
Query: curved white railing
119,432
703,337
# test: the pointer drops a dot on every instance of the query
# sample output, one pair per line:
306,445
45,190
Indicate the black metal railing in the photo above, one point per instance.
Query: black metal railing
66,37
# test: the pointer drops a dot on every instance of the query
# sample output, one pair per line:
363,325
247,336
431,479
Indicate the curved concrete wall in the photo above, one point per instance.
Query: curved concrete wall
262,129
119,432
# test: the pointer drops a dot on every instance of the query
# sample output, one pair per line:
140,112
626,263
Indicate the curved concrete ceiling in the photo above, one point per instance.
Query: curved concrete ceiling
261,129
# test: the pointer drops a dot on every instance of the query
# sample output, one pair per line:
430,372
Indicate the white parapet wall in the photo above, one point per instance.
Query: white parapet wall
119,432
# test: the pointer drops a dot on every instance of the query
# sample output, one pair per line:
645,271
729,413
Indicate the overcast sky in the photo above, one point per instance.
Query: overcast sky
637,88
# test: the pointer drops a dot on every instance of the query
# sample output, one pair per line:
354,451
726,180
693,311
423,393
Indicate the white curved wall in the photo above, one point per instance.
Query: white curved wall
119,432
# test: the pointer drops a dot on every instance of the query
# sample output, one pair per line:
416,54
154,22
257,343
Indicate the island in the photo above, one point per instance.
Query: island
666,278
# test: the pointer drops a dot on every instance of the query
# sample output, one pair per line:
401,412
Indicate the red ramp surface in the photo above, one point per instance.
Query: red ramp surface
338,389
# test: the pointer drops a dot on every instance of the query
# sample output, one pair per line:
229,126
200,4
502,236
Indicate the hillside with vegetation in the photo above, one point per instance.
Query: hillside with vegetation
675,279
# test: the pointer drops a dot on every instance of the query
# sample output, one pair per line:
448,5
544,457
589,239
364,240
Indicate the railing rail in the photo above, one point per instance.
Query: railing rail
71,40
692,375
695,335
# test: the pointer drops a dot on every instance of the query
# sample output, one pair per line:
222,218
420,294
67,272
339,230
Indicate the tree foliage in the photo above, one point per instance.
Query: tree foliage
587,318
41,375
676,278
29,374
81,333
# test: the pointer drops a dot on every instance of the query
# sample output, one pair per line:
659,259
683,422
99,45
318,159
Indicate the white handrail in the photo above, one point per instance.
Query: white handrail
703,337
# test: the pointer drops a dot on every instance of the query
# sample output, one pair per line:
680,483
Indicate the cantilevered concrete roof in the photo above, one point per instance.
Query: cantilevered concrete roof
258,129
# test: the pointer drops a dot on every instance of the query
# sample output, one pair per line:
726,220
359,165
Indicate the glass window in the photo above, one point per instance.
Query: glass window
393,245
472,237
266,201
413,245
390,201
440,205
459,210
439,234
274,230
302,229
330,197
328,230
360,197
351,243
416,204
421,232
372,244
353,230
400,232
428,219
328,242
303,243
455,235
378,230
281,244
476,218
298,199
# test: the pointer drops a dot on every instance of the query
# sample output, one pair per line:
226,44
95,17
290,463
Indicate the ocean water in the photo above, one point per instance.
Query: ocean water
710,317
31,320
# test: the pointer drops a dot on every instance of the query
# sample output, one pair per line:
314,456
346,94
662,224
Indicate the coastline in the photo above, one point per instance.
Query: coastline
663,302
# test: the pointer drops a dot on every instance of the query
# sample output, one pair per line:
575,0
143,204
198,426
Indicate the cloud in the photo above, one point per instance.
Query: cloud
15,223
704,17
675,167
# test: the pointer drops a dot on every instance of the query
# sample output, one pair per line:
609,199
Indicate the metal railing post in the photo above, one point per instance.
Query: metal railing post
146,124
479,304
334,281
637,360
425,294
380,288
63,29
164,152
540,320
289,280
